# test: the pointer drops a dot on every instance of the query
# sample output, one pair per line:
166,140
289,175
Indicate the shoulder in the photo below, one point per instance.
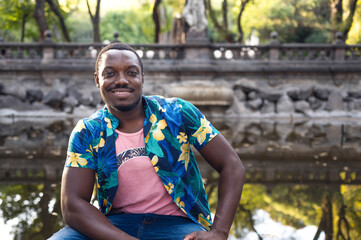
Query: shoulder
174,103
91,123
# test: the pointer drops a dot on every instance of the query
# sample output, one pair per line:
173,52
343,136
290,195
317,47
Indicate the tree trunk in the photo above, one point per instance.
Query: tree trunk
95,21
156,20
39,15
56,9
23,23
336,15
224,32
349,20
239,20
224,14
338,25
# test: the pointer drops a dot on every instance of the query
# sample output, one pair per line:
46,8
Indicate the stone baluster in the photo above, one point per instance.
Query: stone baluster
274,51
48,47
340,50
116,36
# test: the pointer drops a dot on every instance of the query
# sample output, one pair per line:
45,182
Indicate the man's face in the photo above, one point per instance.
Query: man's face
120,80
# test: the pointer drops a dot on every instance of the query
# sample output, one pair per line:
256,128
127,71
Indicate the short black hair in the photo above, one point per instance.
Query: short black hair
117,46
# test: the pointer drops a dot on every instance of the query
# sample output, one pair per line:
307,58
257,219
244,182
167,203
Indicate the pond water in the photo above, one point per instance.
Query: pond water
303,177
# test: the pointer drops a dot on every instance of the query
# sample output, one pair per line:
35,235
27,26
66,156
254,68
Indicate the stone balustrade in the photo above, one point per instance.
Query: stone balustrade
48,50
275,79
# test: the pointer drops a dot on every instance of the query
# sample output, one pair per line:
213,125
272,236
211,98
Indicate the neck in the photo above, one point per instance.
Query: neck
130,121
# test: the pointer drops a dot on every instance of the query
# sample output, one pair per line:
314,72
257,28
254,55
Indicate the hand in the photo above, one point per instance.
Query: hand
210,235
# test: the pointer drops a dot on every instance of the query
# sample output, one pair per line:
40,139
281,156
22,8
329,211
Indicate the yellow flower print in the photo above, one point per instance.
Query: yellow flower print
154,162
157,128
74,159
162,109
184,155
202,131
109,125
180,203
212,136
203,220
100,144
169,187
80,126
105,202
182,137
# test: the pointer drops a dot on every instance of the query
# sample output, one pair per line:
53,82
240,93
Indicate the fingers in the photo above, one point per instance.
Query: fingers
191,236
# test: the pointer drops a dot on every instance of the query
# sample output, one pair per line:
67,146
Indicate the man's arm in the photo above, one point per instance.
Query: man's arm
221,156
79,213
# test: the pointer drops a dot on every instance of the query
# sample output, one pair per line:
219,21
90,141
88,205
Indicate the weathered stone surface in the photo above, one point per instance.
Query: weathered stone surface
204,95
86,101
354,94
241,96
54,99
321,94
271,97
254,104
13,103
335,102
70,102
16,91
285,105
97,98
299,95
252,95
246,85
302,107
70,91
268,107
314,103
34,95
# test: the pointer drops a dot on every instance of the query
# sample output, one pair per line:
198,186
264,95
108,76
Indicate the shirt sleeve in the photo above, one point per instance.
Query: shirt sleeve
80,149
198,129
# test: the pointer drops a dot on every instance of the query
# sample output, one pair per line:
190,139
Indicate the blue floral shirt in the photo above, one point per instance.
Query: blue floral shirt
171,126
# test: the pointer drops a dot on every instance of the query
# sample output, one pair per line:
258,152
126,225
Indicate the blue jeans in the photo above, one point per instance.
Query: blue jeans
143,226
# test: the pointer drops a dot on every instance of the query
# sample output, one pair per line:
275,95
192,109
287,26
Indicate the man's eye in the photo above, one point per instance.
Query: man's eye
133,73
108,74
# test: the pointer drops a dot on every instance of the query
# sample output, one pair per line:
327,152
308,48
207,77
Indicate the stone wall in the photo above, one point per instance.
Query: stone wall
274,80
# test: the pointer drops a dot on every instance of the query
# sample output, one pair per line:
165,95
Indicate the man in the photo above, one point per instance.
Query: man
138,150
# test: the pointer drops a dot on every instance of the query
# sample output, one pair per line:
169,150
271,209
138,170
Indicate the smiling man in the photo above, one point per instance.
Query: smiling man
137,149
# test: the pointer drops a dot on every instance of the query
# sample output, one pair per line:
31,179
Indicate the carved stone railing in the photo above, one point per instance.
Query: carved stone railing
274,51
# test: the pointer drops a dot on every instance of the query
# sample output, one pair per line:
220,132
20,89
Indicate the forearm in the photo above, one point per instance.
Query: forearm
228,197
88,220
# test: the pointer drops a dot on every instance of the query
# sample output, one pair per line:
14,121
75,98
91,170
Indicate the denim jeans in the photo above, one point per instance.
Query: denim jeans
143,226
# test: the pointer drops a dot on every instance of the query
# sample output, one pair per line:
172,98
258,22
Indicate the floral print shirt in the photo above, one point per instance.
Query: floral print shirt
171,126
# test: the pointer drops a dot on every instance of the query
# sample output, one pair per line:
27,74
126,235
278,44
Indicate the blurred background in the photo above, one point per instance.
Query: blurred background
281,80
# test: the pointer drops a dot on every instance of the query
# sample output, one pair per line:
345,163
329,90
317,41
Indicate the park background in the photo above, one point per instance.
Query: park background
290,112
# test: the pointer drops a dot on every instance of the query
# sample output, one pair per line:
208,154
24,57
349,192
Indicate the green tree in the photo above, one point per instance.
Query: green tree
131,26
342,15
95,20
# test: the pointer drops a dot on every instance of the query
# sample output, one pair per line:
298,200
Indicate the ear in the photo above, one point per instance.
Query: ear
96,78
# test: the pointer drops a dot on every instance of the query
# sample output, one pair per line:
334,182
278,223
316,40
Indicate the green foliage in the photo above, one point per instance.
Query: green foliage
131,26
80,27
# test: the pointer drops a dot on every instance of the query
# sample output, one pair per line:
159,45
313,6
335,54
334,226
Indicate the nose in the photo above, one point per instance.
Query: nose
121,79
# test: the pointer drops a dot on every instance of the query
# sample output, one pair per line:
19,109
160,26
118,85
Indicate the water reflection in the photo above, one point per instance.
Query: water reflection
302,173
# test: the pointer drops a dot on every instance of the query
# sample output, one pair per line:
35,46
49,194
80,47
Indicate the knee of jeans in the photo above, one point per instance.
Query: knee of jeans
68,233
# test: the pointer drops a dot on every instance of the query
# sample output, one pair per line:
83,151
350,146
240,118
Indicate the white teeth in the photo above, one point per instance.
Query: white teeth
121,93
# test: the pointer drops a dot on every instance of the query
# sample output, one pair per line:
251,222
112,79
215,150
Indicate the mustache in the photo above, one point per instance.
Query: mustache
120,87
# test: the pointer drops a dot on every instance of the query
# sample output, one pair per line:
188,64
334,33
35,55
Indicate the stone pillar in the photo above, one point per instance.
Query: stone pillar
274,51
340,50
48,47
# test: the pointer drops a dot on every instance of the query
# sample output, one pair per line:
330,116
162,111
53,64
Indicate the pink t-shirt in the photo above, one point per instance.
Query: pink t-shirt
140,189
